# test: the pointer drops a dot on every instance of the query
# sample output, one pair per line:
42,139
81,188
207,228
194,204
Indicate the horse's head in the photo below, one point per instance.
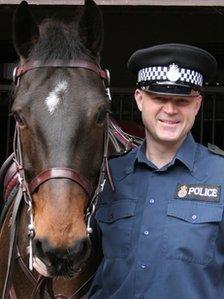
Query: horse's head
60,112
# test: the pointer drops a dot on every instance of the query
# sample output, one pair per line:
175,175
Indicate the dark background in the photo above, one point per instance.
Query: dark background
128,28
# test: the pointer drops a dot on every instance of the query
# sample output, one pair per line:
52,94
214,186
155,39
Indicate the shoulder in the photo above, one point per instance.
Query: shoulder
212,152
210,159
215,150
118,164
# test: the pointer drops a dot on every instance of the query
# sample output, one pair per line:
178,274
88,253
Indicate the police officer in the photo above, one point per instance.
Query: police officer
162,229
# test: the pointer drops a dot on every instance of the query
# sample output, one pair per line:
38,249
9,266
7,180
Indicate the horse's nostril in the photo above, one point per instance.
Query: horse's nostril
38,247
82,247
42,248
61,259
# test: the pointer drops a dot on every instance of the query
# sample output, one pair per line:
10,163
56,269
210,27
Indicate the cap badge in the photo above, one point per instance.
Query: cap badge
173,73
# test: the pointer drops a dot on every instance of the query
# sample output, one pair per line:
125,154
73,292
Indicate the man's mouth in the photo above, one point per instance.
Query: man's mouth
169,122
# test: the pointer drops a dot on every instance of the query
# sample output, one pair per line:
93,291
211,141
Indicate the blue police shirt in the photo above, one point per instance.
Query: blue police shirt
163,229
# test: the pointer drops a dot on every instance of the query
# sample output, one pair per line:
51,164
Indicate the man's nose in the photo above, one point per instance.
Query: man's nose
170,108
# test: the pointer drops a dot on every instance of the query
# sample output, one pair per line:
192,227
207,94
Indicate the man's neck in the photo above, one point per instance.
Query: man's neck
160,153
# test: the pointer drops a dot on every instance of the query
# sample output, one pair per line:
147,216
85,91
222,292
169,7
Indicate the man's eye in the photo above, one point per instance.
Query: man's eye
159,99
183,101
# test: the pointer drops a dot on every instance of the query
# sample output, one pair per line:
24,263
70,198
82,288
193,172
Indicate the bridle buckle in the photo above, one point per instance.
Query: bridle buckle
15,77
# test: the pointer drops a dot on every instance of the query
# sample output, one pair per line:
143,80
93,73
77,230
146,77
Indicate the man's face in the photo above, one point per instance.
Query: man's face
167,119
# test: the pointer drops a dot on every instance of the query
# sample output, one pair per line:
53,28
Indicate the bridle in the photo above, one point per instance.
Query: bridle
63,172
26,190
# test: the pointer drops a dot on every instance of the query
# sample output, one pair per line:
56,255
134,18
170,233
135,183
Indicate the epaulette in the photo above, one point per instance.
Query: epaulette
215,149
120,154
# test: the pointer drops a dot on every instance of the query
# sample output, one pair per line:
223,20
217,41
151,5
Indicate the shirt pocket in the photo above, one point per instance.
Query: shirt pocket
116,222
191,231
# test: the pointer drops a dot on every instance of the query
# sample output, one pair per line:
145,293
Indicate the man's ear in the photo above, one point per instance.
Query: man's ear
138,98
198,104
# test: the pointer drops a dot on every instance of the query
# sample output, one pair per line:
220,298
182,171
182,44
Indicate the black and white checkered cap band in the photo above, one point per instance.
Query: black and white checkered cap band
171,73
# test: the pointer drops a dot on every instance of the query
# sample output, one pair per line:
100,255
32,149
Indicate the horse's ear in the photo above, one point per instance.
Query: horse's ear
91,27
25,30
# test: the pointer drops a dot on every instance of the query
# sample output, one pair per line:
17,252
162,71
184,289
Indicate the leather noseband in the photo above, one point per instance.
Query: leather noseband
61,173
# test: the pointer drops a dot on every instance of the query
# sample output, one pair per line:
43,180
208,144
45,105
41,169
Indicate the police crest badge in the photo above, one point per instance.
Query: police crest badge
173,73
182,191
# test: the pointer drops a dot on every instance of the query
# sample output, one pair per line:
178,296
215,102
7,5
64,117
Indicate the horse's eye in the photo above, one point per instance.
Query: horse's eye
100,116
19,119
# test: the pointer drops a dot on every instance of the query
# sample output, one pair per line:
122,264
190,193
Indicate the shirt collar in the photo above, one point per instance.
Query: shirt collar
187,151
141,156
185,154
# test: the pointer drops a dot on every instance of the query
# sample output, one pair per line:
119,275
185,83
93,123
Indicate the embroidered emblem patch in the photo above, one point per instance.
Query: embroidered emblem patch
201,192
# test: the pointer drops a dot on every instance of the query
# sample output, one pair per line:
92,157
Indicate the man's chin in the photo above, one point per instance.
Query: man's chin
170,139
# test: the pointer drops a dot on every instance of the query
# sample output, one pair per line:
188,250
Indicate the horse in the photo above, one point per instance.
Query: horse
61,106
63,137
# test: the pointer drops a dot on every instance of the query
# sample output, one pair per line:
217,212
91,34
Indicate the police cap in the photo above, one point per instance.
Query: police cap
174,69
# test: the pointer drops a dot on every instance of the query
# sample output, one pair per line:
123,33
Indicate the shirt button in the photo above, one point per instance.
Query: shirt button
143,266
111,216
146,232
152,201
194,217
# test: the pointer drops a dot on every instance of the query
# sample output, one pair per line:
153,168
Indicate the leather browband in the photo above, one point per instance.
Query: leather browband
61,172
21,70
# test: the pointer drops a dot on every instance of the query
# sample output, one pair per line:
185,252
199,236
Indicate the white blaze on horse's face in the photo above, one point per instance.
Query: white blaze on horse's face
55,96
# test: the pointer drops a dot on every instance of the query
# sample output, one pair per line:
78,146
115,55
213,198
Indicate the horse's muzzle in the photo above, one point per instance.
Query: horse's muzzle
62,262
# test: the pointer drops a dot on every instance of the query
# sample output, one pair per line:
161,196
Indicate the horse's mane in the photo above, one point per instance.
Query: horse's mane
59,40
